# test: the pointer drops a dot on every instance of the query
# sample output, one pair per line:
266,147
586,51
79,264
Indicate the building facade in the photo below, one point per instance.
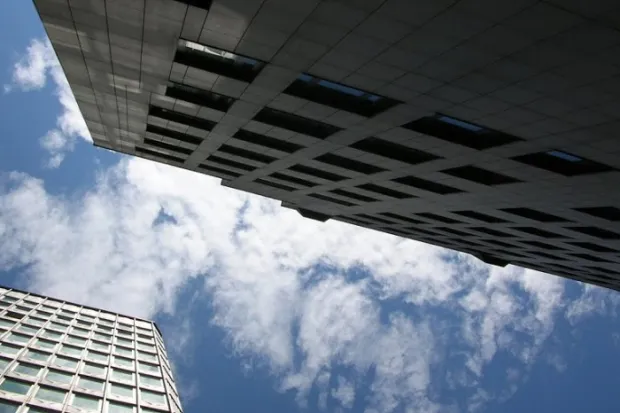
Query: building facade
488,127
57,356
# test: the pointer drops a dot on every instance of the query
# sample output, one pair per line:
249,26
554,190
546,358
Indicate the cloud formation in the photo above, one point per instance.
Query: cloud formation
32,72
324,306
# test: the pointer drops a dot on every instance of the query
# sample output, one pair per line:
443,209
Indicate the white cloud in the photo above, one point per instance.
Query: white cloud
32,72
408,310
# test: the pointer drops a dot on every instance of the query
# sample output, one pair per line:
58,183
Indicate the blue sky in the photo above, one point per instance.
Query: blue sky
264,310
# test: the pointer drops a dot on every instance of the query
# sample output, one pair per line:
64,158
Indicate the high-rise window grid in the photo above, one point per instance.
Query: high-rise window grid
55,354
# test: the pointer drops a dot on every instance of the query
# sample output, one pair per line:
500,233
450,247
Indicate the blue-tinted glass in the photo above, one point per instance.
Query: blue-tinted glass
341,88
565,156
461,124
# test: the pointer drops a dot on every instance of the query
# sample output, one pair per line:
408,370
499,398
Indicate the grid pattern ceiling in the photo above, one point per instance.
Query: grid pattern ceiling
483,126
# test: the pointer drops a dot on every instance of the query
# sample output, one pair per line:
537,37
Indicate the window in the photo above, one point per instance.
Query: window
275,185
148,368
426,185
349,164
93,355
26,329
439,218
590,257
65,362
123,362
27,369
401,218
534,215
37,355
597,232
15,386
479,216
100,346
563,163
122,375
394,151
124,341
385,191
79,331
541,245
214,60
59,376
58,326
72,351
293,179
228,162
9,349
199,96
339,96
460,132
173,134
307,170
148,152
330,199
592,247
493,232
479,175
103,337
123,351
352,195
3,364
181,118
120,390
115,407
51,335
6,323
538,232
266,141
218,171
146,347
150,381
608,213
86,402
51,395
296,123
7,407
90,384
147,356
76,341
152,397
105,329
244,153
35,321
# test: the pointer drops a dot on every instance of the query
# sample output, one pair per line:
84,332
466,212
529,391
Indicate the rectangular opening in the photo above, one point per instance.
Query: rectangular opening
562,163
339,96
544,254
455,232
293,179
401,218
425,185
375,219
276,185
200,97
181,118
596,232
217,170
201,4
244,153
590,257
353,195
592,247
498,243
479,175
214,60
392,193
183,137
538,232
543,246
438,218
295,123
349,164
394,151
228,162
146,151
167,146
266,141
479,216
356,221
608,213
330,199
307,170
416,230
460,132
493,232
534,215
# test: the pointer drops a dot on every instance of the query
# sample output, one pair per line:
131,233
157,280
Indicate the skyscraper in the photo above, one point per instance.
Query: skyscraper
59,356
483,126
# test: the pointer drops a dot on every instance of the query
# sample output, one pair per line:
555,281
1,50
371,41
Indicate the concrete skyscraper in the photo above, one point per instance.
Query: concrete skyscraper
488,127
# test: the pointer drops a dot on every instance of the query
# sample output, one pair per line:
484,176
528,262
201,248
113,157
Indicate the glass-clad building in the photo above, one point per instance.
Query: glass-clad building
57,356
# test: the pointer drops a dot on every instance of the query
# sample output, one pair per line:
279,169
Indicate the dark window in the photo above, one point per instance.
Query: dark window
590,257
592,247
534,215
181,118
540,253
385,191
417,230
608,213
145,151
426,185
460,132
455,232
357,221
439,218
216,170
218,61
267,141
296,123
201,4
14,314
562,163
498,243
293,179
339,96
375,219
350,164
317,173
228,162
330,199
542,245
493,232
597,232
538,232
401,218
183,137
479,216
275,185
353,195
167,146
244,153
479,175
199,96
394,151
